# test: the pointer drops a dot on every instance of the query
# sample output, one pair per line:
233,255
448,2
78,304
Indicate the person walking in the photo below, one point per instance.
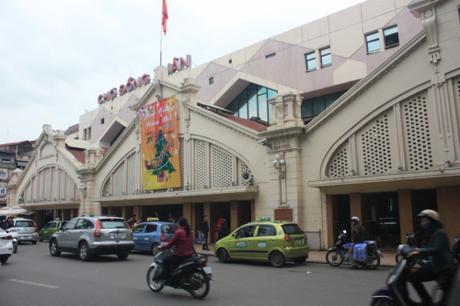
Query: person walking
205,231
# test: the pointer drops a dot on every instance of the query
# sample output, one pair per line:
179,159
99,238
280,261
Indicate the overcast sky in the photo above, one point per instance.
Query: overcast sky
56,57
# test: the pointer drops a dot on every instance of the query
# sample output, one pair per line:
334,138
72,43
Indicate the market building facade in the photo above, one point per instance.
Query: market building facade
353,114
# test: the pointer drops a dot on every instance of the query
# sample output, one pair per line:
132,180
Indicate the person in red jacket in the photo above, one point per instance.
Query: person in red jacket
183,242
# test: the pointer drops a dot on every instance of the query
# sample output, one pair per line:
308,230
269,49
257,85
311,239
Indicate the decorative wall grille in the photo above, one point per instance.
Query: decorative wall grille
117,179
242,168
417,132
131,170
338,166
222,167
201,154
375,142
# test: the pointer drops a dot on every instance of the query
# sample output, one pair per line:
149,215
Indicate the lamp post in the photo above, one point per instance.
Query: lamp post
280,164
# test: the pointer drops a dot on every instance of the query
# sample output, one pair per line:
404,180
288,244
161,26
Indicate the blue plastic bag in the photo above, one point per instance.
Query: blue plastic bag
360,252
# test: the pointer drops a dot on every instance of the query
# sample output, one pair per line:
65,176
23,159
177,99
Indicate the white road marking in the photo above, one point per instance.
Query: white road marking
33,283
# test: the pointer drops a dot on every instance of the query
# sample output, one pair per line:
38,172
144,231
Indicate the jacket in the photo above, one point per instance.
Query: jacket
358,233
438,249
183,244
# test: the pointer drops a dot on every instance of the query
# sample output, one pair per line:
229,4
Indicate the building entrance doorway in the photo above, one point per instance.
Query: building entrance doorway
422,199
380,216
340,215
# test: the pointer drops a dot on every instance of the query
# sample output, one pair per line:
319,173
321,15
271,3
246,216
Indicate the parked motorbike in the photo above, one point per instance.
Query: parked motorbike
391,294
193,275
340,253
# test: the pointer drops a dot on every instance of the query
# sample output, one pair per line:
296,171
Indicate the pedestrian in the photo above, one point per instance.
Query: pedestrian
171,218
205,231
224,228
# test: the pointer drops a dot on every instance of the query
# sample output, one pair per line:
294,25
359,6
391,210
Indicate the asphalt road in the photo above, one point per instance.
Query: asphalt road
33,277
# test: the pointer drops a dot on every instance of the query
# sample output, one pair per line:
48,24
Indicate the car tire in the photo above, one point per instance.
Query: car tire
123,255
277,259
83,251
54,249
222,255
3,259
153,248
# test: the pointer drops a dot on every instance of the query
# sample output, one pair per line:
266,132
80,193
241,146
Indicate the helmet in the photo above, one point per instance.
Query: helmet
430,214
354,218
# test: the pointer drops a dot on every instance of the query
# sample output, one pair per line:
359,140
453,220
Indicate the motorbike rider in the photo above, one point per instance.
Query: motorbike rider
437,250
358,235
183,241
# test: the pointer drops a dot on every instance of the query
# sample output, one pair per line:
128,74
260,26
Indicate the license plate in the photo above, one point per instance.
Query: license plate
207,270
298,242
117,236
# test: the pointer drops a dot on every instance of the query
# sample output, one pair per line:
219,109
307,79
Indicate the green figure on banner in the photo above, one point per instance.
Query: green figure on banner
162,164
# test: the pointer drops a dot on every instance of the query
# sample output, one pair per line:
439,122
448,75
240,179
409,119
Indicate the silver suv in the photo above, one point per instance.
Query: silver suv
24,230
89,236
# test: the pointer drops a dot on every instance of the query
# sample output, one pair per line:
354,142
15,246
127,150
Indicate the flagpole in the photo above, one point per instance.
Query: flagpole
161,46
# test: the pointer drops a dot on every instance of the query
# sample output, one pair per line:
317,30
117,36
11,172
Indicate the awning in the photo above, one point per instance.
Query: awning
13,211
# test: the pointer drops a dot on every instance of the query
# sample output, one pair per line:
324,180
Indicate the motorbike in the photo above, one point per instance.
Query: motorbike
193,275
14,234
339,254
410,241
391,295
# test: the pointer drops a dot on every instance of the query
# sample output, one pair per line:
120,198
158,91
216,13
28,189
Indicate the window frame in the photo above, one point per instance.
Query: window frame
275,232
385,36
376,39
321,56
307,60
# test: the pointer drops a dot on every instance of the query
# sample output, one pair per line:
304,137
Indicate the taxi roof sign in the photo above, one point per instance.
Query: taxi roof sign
152,219
262,219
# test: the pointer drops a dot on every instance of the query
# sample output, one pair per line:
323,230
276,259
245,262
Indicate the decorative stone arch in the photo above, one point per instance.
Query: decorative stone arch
395,138
122,179
46,150
49,183
216,165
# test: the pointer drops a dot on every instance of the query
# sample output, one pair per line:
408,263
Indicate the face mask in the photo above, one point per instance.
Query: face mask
424,226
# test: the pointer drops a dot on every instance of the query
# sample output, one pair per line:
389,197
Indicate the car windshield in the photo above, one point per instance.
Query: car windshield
25,224
292,229
113,223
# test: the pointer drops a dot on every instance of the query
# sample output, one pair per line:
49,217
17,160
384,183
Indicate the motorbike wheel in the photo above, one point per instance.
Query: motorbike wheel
374,263
334,258
398,258
203,291
154,285
383,302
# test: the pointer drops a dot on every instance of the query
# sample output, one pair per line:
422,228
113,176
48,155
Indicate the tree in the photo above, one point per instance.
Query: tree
162,158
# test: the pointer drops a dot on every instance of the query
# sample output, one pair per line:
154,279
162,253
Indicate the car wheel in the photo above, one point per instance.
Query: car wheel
153,249
54,250
83,251
3,259
277,259
123,255
223,256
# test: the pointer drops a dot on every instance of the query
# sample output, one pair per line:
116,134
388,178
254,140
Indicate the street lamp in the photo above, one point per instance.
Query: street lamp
280,164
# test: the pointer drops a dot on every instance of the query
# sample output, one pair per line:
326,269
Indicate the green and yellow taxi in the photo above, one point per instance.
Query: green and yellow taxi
276,242
49,229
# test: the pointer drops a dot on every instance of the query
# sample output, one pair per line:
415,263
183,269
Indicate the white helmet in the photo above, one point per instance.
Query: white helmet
354,218
429,213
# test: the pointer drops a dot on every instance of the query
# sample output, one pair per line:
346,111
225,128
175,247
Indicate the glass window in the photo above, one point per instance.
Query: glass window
84,224
252,106
243,111
70,224
391,37
310,60
292,229
138,229
326,57
266,230
169,228
373,42
151,228
25,224
262,91
263,107
307,109
245,232
272,93
211,80
113,223
318,106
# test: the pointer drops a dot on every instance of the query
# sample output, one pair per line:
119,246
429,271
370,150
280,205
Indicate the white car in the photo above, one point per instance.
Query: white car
6,246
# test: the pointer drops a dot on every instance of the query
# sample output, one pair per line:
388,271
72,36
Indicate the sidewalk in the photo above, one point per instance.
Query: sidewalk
388,259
